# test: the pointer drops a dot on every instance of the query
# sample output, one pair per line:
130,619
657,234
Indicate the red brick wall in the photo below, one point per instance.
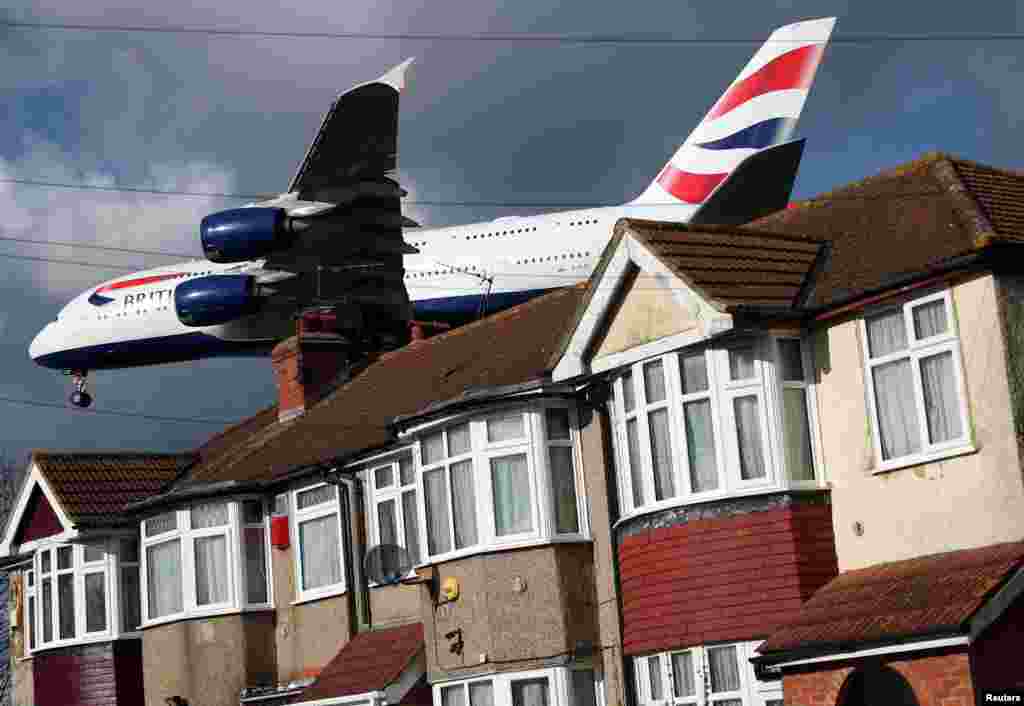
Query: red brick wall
104,674
39,520
729,578
937,680
996,656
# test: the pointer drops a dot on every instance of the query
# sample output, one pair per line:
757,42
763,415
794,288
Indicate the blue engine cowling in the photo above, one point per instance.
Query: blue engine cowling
244,233
216,299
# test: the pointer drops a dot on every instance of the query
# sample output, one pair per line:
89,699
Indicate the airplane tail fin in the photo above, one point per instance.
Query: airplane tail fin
758,109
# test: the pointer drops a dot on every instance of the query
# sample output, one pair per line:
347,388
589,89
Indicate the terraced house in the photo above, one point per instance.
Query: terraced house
739,466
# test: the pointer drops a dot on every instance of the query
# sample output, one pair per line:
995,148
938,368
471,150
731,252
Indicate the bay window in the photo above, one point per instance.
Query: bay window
209,558
496,479
318,539
703,423
714,675
915,382
73,596
574,686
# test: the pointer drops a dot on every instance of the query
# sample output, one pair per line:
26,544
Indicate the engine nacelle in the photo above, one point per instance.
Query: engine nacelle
245,233
216,299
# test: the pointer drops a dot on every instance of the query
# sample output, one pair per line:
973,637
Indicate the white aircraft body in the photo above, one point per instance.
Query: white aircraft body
227,304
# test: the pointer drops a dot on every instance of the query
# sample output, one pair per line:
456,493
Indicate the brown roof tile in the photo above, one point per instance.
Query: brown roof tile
732,266
94,488
515,346
928,595
369,662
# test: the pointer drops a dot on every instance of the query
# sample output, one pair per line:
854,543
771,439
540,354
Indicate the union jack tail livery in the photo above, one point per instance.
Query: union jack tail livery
759,109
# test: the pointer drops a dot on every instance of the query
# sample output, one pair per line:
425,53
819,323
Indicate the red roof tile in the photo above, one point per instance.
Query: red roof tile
928,595
94,488
369,662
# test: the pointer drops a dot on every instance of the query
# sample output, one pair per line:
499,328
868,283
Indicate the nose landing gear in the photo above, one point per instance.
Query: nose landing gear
79,398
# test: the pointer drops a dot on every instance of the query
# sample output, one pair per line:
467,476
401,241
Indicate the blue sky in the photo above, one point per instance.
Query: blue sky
484,121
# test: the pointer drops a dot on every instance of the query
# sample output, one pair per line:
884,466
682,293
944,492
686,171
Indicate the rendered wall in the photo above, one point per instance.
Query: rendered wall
394,605
957,503
22,682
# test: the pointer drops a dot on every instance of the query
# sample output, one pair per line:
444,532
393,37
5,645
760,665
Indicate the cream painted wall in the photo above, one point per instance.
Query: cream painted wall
957,503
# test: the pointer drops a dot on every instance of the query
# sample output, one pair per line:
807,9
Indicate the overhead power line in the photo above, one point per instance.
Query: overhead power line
532,37
116,413
89,246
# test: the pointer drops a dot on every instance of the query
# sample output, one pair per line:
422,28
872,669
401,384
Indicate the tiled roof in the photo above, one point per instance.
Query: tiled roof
370,661
929,595
732,266
515,346
94,488
903,222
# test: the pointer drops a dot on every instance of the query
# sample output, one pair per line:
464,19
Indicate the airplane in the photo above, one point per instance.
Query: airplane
341,217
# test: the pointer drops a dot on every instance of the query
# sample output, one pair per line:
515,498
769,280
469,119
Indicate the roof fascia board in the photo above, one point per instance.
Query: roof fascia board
371,697
915,646
995,606
457,408
35,478
406,680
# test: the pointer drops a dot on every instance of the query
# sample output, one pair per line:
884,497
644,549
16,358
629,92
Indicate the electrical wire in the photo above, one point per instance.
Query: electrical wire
116,413
90,246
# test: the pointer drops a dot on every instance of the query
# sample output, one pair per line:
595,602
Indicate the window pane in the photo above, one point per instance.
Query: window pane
252,512
211,570
557,423
94,552
694,372
383,476
464,504
386,523
583,691
31,622
941,401
683,683
635,469
64,559
563,489
724,669
432,449
45,561
162,523
661,454
481,693
410,519
654,675
95,602
748,437
30,578
530,692
505,427
453,695
209,515
899,433
700,446
129,551
654,381
281,504
255,565
315,496
438,522
458,440
799,461
741,362
47,598
405,469
628,394
886,333
131,609
163,578
929,319
66,605
511,483
320,552
790,359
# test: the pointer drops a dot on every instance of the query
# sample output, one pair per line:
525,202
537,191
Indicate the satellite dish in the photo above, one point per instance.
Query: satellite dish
387,563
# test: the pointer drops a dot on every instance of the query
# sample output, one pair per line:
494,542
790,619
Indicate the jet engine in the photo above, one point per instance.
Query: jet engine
247,233
216,299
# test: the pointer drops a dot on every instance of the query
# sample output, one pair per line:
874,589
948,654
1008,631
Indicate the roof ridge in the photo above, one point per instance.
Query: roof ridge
118,453
711,229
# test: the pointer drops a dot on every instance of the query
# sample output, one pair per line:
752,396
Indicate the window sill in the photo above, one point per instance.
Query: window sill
922,459
310,597
91,640
197,615
507,546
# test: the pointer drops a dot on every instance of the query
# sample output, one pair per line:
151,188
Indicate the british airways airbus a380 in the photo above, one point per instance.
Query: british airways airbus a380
735,166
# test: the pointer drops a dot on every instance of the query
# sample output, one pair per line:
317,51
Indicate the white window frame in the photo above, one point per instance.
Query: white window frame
31,603
752,691
395,492
766,385
242,566
534,445
916,350
186,536
559,685
330,508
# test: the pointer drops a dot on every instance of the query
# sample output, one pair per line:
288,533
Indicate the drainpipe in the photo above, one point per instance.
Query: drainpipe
355,580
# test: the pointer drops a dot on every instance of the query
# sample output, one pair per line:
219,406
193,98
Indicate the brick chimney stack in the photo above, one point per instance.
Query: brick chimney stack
304,365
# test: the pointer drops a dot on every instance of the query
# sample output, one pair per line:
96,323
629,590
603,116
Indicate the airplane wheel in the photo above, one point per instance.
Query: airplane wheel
81,399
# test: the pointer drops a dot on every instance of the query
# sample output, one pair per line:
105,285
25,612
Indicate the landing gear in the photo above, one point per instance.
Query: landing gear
79,398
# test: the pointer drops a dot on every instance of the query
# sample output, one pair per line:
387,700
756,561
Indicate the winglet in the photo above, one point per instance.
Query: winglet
399,76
